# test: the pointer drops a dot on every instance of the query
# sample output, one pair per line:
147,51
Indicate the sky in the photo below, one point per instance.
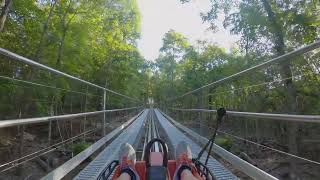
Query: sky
159,16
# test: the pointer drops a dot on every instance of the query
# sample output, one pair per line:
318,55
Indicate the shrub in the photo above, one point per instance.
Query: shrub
79,147
225,143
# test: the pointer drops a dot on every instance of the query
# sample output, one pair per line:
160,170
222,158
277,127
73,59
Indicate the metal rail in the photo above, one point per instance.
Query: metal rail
272,116
155,132
16,122
68,166
146,140
150,133
287,56
54,71
237,162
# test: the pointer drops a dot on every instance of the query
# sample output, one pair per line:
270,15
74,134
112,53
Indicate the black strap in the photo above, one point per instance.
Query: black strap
130,172
221,112
181,169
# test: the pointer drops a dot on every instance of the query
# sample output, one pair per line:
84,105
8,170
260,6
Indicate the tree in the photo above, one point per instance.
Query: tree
271,28
45,29
5,5
173,49
93,40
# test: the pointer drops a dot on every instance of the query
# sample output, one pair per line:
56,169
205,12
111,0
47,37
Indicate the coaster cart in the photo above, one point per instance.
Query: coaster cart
156,166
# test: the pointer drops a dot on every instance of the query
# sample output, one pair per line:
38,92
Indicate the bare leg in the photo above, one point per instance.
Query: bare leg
124,176
187,175
184,164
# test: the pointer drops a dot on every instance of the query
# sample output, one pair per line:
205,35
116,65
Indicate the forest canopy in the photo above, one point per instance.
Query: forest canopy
93,40
97,41
266,29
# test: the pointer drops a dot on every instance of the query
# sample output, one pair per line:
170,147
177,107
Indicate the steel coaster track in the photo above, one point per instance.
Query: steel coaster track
150,133
174,136
130,135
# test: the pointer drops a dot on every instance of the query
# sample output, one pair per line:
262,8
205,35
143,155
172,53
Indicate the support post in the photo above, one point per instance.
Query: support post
85,117
104,113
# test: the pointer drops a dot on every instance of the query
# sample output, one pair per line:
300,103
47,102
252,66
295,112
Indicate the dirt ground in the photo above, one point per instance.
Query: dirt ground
35,139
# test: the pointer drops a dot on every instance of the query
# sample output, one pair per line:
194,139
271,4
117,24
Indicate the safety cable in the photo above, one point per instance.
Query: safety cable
269,116
261,84
54,146
46,86
284,57
267,147
17,164
16,57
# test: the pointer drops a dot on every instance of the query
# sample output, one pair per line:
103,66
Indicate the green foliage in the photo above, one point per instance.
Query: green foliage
94,40
262,32
79,147
224,142
296,20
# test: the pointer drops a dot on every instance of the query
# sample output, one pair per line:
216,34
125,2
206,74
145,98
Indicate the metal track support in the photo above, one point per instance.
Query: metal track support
104,114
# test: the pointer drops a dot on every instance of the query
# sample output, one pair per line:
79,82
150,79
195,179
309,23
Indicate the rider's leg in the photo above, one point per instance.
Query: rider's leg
124,176
184,164
127,159
187,175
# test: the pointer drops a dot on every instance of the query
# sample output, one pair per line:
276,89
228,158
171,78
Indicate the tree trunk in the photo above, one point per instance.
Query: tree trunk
2,3
4,13
286,72
64,26
61,45
44,31
21,148
171,74
210,116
